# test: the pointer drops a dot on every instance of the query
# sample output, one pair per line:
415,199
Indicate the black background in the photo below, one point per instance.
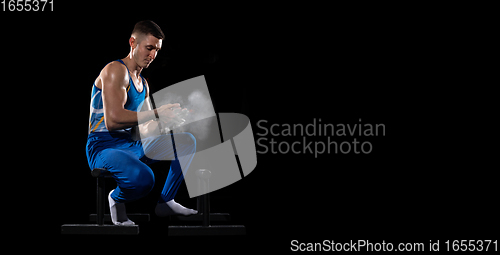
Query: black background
426,179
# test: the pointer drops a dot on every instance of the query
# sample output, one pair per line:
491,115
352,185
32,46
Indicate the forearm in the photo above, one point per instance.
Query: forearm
124,118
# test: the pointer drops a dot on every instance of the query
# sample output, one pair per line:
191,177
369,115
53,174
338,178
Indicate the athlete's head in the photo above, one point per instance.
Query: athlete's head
145,42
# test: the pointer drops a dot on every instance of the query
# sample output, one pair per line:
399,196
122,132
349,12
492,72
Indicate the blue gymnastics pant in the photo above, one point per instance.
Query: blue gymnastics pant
125,159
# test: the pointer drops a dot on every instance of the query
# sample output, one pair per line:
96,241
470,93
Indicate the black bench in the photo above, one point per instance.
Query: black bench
204,215
203,206
100,228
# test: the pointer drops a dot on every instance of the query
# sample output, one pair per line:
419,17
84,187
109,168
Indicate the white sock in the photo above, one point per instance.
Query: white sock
118,212
172,208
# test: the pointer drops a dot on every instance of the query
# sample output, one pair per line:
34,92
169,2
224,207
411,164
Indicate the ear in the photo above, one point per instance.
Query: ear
132,42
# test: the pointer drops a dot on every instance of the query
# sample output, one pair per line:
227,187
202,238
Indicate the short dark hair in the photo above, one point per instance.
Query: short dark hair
148,27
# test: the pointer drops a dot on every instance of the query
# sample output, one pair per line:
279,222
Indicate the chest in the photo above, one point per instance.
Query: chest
137,83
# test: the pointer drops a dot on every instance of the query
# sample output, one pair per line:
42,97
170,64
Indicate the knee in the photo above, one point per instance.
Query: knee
144,181
188,141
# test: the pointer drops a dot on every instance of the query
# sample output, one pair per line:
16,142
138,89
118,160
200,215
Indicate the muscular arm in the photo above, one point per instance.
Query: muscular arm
114,79
151,127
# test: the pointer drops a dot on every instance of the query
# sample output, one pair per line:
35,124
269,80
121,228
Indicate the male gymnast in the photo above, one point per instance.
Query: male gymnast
119,106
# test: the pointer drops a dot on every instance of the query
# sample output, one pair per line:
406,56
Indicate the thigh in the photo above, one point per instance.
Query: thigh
157,148
125,166
161,147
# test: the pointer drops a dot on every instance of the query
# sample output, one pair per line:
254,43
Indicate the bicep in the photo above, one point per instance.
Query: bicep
114,93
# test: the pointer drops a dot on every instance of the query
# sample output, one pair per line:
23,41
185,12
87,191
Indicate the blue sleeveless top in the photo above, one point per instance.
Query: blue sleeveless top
135,99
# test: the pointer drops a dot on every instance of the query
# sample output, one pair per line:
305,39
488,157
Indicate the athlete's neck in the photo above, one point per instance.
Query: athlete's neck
134,69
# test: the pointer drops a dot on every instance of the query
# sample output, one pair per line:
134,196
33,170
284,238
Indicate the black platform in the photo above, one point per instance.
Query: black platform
100,228
214,217
135,217
203,206
204,216
95,229
214,230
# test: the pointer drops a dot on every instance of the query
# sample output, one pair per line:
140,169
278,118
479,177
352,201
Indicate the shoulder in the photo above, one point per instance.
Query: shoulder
114,74
114,68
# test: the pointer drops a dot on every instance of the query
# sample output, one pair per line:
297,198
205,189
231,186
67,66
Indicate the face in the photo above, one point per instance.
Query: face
144,50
